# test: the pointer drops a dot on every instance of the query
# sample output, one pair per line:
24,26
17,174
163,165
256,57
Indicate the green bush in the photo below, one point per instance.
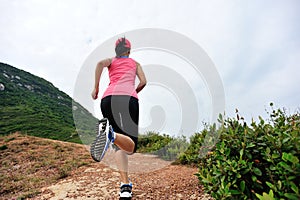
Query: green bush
173,149
260,161
200,145
164,146
152,141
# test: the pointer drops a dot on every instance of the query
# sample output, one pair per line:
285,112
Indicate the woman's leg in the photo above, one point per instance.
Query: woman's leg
125,143
126,146
122,163
122,113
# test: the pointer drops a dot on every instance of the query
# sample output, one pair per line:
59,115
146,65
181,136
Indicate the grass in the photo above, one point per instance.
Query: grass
29,163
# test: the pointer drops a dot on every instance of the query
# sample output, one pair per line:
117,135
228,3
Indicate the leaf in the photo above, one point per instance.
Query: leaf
257,171
279,185
291,178
227,152
250,145
285,140
242,186
220,119
241,153
285,166
259,196
245,171
272,167
271,193
254,179
266,196
268,150
270,184
234,192
294,188
290,157
275,155
291,196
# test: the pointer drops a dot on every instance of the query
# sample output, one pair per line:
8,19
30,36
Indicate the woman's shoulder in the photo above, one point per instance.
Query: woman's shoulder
132,60
105,62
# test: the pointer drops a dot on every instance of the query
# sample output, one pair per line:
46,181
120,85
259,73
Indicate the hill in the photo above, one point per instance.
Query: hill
34,106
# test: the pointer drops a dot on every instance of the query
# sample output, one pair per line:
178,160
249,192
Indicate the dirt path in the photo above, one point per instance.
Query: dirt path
153,178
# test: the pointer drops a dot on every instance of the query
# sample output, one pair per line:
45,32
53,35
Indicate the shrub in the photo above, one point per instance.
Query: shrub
164,146
173,149
152,142
260,161
200,145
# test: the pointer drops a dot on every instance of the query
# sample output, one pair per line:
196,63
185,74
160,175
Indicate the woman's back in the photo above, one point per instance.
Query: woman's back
122,74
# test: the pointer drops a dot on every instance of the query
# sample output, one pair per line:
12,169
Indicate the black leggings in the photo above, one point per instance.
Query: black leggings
122,111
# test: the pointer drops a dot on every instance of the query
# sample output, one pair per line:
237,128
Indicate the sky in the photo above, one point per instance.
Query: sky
254,45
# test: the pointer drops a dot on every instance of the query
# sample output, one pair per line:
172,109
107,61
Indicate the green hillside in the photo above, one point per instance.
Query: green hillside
34,106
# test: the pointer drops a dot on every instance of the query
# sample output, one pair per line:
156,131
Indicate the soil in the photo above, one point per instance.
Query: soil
152,178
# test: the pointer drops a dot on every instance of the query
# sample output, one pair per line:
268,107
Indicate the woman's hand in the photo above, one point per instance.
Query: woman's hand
95,94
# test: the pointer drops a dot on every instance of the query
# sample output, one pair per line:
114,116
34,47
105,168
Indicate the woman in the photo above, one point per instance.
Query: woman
120,106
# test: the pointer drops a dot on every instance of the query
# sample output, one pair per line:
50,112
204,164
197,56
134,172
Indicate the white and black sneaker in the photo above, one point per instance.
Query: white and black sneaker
105,135
125,191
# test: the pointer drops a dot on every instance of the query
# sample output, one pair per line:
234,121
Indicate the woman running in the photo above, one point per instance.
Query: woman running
120,108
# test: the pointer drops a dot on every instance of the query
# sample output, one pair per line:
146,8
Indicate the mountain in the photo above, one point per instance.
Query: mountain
34,106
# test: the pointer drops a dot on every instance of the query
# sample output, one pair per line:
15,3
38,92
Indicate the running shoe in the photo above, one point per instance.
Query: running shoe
126,191
105,136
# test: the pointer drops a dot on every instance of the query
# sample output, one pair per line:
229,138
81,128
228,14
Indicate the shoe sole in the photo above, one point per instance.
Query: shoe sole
101,143
129,195
125,198
126,194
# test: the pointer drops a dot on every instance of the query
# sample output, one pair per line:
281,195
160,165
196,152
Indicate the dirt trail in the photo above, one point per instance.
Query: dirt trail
152,177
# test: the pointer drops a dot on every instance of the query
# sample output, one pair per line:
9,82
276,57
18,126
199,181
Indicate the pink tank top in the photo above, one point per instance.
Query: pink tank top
122,74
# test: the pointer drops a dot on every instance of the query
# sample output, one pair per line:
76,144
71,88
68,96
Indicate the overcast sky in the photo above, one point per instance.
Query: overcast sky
253,44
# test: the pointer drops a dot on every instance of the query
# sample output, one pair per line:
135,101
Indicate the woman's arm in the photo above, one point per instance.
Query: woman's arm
142,78
98,72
